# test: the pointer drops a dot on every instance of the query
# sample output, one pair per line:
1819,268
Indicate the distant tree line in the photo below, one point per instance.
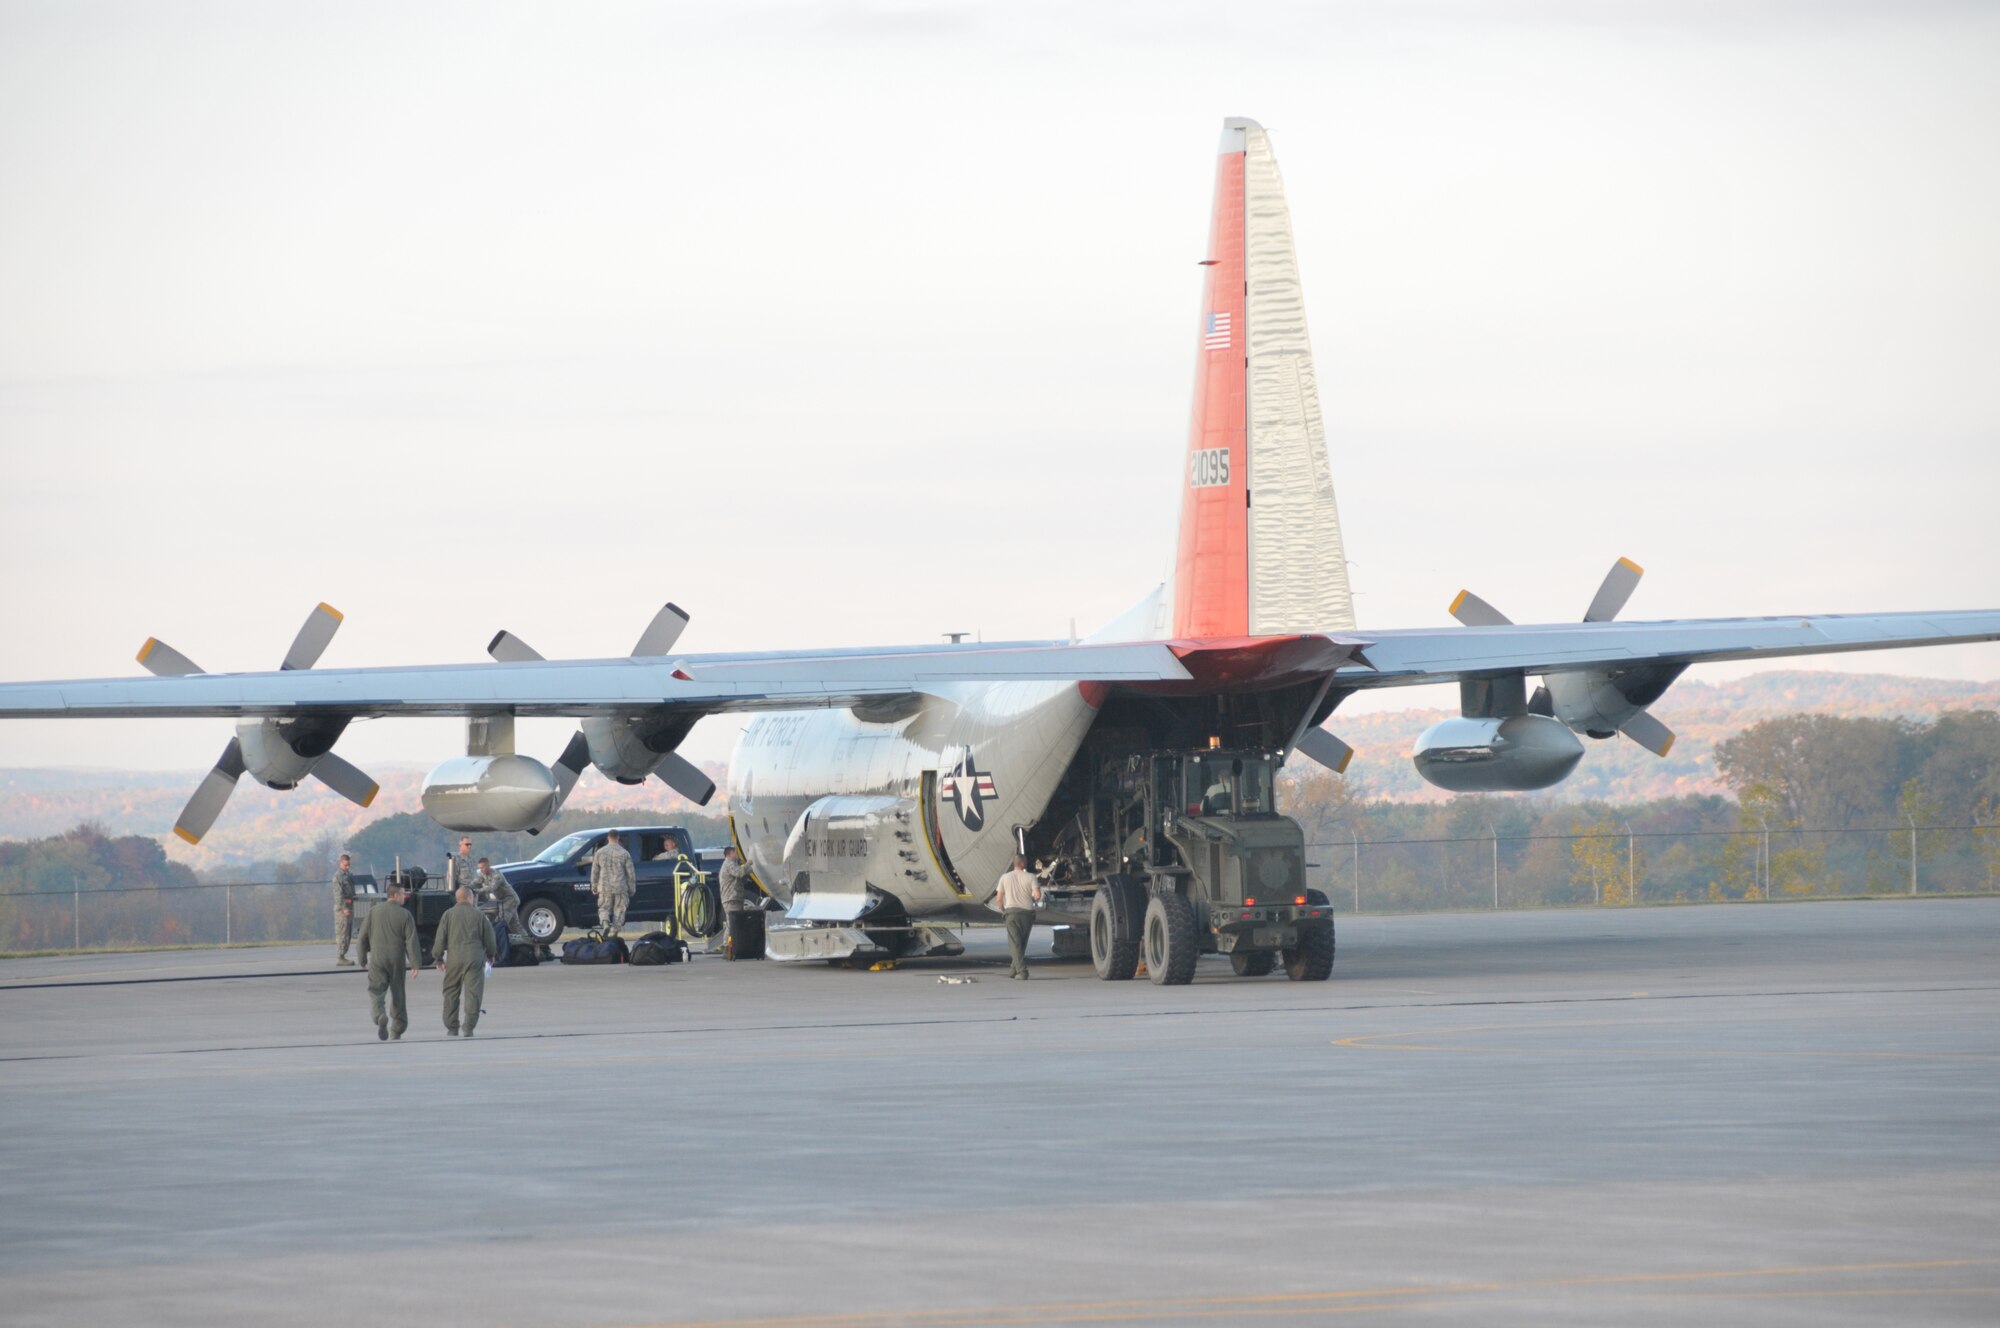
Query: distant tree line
1823,806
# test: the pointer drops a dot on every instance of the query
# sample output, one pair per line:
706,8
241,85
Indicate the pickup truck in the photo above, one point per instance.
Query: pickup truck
554,885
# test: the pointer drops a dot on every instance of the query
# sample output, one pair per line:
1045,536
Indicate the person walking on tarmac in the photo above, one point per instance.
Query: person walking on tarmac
459,869
1016,897
729,881
388,938
343,912
490,885
464,946
611,880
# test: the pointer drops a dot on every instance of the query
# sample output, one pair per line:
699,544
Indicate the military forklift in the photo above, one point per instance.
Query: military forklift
1176,853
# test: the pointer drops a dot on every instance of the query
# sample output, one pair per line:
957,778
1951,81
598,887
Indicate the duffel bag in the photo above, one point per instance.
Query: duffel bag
656,947
519,954
595,950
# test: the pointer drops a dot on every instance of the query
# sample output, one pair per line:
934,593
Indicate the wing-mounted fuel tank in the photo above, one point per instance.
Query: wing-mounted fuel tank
491,788
1488,755
496,794
1496,745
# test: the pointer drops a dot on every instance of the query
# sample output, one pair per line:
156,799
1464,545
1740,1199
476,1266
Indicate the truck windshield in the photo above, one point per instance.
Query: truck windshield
561,850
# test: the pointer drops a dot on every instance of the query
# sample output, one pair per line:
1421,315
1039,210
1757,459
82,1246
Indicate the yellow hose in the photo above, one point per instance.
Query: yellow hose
699,910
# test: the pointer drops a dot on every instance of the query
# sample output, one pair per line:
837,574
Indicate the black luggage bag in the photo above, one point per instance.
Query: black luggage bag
596,949
656,947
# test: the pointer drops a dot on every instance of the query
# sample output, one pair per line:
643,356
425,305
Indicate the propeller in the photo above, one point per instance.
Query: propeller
271,736
672,769
1611,596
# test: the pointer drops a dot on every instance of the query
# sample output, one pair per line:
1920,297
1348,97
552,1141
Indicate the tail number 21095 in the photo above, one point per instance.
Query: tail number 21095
1209,468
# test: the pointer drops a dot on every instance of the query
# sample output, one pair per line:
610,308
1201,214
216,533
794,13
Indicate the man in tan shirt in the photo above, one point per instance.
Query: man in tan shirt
1016,897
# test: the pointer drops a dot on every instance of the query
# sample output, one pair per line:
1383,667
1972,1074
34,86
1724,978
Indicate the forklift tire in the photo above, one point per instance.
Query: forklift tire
1312,959
1115,916
1171,943
1252,963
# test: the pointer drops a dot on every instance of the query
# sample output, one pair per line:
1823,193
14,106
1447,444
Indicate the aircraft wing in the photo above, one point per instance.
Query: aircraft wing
1428,655
699,683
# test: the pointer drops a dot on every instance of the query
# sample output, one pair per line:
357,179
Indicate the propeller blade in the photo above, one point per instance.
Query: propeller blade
211,795
1541,703
1328,750
511,649
569,767
163,661
1473,611
1649,733
307,646
680,775
662,632
1619,583
345,780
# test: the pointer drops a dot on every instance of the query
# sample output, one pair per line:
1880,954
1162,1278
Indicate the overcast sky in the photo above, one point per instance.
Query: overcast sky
868,322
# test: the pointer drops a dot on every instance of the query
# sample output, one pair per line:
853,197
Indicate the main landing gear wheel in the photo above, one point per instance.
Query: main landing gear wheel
1171,943
1114,928
1311,960
1252,963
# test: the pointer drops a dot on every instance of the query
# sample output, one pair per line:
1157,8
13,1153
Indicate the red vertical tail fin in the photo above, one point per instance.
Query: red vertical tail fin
1260,550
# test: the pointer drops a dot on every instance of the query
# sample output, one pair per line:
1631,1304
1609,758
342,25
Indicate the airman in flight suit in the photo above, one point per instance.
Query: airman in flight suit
464,947
388,938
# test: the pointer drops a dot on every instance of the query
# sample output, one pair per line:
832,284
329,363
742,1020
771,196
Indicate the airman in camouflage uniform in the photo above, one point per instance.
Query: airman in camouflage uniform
464,946
388,937
459,869
491,886
611,880
343,912
729,881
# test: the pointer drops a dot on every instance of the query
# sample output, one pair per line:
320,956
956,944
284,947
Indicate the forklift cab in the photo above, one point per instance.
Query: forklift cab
1223,784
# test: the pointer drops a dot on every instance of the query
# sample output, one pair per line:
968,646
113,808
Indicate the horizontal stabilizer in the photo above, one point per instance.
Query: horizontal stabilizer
345,780
163,661
1473,611
684,778
1649,733
1328,750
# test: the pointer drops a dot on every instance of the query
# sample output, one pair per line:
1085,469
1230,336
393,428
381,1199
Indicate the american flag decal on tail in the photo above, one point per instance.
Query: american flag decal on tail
1215,333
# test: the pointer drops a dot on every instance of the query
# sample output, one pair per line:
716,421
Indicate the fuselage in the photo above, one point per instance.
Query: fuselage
920,800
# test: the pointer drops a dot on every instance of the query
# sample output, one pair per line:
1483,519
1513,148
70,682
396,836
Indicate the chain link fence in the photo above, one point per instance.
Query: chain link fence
1605,867
1613,865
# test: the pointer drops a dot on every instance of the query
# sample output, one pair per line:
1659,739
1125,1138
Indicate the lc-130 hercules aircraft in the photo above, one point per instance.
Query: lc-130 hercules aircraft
877,793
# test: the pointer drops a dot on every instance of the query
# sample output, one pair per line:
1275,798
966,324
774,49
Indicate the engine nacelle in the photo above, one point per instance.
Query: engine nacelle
1598,702
491,793
1510,755
280,753
629,749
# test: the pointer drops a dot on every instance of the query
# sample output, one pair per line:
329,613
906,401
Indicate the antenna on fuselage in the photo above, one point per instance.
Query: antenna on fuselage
956,638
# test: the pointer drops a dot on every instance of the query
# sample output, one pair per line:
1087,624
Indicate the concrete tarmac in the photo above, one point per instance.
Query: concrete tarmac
1739,1114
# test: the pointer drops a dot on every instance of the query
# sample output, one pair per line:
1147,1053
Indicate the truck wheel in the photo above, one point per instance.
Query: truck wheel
543,919
1312,959
1171,943
1114,929
1252,963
